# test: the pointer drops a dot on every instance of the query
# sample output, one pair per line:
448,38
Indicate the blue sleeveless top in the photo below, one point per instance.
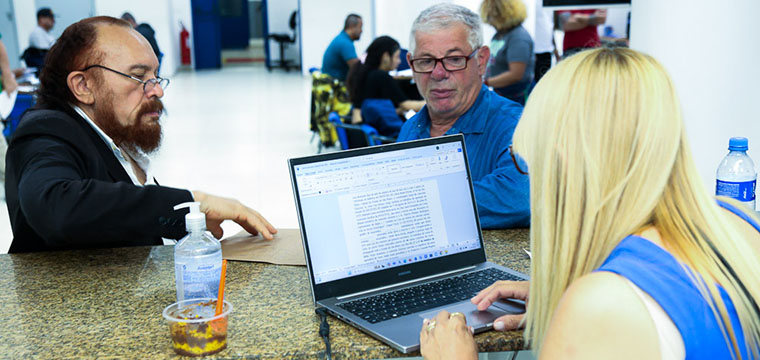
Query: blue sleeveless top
660,275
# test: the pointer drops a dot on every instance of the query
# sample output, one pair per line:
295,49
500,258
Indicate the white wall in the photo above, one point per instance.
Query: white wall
278,18
395,17
617,17
715,70
26,21
322,20
159,15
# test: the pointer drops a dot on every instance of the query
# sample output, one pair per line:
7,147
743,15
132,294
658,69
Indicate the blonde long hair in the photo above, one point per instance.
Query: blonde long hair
607,154
503,14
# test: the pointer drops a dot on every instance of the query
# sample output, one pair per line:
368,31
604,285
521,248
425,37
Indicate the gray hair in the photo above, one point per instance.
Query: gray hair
444,15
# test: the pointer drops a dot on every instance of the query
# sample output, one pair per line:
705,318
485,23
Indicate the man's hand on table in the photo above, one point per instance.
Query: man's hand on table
503,290
447,337
218,209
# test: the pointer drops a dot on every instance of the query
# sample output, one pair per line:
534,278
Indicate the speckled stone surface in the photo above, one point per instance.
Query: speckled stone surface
107,304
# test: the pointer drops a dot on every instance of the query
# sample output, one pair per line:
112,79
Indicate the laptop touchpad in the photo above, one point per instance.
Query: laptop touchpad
477,318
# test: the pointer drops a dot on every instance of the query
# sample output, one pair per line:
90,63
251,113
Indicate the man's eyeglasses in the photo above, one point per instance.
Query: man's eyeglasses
450,63
148,85
517,163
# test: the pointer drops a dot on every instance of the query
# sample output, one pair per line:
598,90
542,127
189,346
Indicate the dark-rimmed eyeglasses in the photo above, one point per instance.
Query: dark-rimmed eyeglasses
516,162
450,63
148,85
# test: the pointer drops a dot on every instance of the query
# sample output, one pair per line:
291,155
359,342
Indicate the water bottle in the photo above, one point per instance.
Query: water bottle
736,176
197,258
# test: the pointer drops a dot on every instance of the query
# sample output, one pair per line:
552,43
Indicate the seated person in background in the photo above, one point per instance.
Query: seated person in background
511,67
448,59
40,37
40,41
370,80
620,228
77,171
341,54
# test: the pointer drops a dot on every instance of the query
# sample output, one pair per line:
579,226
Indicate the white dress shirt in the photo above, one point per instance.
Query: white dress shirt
40,38
142,160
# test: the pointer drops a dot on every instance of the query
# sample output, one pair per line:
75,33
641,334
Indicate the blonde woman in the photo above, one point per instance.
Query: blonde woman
511,67
632,258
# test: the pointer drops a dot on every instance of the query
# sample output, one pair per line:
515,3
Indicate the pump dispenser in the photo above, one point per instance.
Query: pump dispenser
195,220
197,257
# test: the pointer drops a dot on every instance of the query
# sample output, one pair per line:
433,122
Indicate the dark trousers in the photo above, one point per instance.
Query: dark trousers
543,64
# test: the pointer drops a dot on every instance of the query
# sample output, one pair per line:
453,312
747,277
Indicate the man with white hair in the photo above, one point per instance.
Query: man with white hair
449,60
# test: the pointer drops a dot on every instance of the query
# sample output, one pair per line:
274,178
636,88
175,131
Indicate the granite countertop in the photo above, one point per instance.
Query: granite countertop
108,303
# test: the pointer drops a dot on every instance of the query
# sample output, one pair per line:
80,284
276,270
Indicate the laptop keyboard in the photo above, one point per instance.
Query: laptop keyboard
419,298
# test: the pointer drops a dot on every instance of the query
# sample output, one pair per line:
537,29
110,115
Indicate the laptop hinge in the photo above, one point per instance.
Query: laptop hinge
404,283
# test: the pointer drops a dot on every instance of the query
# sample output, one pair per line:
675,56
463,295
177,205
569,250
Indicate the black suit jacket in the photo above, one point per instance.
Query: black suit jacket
65,189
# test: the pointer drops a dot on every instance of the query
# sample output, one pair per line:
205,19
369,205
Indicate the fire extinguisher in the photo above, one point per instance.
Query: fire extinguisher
184,44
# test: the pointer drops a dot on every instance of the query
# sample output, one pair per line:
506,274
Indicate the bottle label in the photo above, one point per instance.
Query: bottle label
742,191
200,280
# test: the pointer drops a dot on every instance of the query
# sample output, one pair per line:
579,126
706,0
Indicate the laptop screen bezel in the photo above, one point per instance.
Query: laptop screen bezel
393,275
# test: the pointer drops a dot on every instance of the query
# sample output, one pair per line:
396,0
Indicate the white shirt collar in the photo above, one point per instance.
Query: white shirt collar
142,159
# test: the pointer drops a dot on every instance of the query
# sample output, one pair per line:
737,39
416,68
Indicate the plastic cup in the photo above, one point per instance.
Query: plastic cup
194,328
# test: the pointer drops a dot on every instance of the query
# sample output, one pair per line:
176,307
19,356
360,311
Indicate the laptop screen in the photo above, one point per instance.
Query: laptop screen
385,209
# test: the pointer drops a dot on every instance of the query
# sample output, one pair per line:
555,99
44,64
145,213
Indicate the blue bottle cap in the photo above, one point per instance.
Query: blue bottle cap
738,144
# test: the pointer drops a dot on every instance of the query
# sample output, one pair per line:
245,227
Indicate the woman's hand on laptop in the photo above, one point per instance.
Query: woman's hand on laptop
503,290
218,209
447,336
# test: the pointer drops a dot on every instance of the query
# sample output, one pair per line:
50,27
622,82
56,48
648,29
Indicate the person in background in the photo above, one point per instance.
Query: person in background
544,46
580,29
145,30
370,80
78,175
449,60
511,67
8,85
40,37
626,241
7,77
341,54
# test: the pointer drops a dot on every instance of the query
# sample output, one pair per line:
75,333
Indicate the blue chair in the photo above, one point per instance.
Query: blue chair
381,115
353,136
23,102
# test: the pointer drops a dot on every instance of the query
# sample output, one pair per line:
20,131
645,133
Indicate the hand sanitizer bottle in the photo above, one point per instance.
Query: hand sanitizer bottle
197,258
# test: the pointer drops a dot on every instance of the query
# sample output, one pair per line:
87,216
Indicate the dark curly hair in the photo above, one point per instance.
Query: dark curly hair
73,51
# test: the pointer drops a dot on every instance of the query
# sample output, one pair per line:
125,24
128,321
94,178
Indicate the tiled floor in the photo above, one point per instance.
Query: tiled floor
230,132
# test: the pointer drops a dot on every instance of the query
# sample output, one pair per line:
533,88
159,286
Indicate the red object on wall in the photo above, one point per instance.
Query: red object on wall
184,45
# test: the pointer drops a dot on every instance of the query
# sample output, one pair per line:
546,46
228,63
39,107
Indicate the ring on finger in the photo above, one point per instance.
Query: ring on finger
431,326
456,314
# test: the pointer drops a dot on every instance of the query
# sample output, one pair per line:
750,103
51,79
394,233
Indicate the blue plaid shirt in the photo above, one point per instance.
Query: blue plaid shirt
501,192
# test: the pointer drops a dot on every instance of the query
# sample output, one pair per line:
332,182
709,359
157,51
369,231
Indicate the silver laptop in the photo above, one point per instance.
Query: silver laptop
391,236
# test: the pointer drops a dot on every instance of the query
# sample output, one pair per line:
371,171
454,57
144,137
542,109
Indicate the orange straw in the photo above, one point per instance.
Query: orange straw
220,297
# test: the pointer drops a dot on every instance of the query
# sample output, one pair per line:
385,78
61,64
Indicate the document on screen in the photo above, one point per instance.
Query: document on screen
392,221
